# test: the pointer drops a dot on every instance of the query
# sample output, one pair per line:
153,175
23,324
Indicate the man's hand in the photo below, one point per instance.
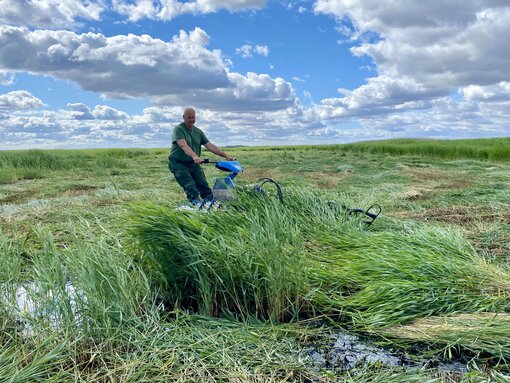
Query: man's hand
197,160
229,158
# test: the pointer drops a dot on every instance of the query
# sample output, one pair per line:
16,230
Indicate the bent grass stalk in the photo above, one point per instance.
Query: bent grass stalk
286,261
481,333
111,330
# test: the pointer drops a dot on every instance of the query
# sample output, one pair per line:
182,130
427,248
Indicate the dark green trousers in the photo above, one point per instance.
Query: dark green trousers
191,178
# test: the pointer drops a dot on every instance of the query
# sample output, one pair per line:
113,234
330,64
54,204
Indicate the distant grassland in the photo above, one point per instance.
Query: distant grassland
17,165
36,163
493,149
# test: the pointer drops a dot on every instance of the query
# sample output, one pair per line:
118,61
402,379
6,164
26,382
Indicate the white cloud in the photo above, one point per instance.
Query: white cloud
49,13
496,92
54,14
139,66
169,9
7,78
19,99
450,44
262,50
105,112
254,92
381,95
443,118
247,50
423,52
80,111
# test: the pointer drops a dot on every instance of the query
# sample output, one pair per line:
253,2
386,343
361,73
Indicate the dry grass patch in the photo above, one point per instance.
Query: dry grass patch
257,173
458,215
80,190
433,328
443,179
416,192
326,180
18,196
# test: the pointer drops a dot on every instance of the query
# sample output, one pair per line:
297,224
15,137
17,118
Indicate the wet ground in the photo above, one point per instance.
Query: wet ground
344,351
347,351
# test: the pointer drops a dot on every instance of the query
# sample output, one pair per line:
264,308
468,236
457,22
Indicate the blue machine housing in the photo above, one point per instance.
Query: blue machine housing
230,166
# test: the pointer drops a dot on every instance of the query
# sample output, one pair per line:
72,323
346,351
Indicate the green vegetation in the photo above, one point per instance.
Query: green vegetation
103,280
493,149
31,164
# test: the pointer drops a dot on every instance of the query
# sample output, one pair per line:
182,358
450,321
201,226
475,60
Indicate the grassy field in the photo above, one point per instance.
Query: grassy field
104,281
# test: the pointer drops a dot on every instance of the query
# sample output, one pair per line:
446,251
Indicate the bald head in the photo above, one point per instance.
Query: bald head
189,110
189,117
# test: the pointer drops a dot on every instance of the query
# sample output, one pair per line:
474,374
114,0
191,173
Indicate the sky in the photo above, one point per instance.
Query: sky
118,73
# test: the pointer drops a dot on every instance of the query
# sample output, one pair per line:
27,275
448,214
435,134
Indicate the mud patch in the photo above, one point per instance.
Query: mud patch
348,351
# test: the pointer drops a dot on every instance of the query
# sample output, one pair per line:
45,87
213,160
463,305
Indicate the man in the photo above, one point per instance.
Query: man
184,160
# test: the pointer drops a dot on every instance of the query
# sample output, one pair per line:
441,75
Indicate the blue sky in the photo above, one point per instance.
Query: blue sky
118,73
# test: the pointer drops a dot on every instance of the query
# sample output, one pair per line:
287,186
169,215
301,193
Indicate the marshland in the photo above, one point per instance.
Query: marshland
104,280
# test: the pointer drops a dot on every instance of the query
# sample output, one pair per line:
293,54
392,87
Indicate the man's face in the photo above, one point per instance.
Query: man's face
189,119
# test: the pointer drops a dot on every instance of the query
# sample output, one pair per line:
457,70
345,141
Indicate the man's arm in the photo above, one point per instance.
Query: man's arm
186,148
213,148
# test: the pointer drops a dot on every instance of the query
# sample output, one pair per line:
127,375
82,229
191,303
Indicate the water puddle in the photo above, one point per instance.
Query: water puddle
29,302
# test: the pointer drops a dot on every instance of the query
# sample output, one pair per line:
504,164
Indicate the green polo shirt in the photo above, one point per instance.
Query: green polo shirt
195,138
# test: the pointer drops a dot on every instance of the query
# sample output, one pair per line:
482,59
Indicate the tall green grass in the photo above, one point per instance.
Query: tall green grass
64,159
485,149
109,328
305,258
419,271
89,284
239,262
37,163
492,149
302,258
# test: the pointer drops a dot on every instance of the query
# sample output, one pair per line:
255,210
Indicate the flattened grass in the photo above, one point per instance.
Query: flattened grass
301,258
482,333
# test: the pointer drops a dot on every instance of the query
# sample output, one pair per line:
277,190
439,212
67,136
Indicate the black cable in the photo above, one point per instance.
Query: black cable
266,180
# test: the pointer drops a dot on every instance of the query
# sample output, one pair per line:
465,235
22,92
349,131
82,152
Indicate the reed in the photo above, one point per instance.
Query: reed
285,261
493,149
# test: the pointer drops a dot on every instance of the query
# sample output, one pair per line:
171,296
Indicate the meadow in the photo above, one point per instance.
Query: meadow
103,280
